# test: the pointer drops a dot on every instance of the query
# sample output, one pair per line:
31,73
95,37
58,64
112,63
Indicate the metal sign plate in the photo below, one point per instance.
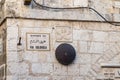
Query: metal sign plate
38,41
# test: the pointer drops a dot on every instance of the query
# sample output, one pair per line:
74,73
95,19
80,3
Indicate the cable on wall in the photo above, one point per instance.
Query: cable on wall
104,17
47,7
69,8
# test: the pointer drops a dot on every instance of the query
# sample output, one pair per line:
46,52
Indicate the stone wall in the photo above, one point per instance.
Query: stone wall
95,43
108,8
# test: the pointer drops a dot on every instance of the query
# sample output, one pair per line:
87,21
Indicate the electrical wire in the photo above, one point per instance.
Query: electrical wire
47,7
103,17
70,8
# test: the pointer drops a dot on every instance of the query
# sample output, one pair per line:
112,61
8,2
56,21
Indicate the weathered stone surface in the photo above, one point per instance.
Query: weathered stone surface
82,35
18,68
85,58
74,69
100,36
87,40
81,3
114,36
59,78
96,47
95,42
93,45
60,69
38,78
31,57
64,34
42,68
84,69
83,46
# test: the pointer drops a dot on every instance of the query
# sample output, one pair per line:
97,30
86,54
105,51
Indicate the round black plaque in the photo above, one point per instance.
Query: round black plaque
65,54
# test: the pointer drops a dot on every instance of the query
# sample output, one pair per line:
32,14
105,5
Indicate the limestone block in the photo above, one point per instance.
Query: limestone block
117,3
67,3
116,17
76,25
111,10
60,69
45,57
38,78
106,46
78,78
115,48
70,15
46,24
12,56
53,58
45,68
47,2
90,77
18,68
75,78
84,34
75,36
84,69
12,77
59,78
115,59
101,60
74,69
36,68
109,55
96,67
96,47
13,23
94,58
64,34
114,36
85,58
77,59
106,58
12,45
33,13
56,3
23,68
100,36
57,69
92,72
14,30
34,30
12,40
31,57
28,23
69,78
12,9
63,24
83,46
81,35
81,3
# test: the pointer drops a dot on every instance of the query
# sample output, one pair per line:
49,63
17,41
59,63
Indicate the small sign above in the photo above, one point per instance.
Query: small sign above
38,41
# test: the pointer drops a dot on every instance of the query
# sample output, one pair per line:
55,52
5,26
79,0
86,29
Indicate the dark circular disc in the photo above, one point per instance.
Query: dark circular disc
65,54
